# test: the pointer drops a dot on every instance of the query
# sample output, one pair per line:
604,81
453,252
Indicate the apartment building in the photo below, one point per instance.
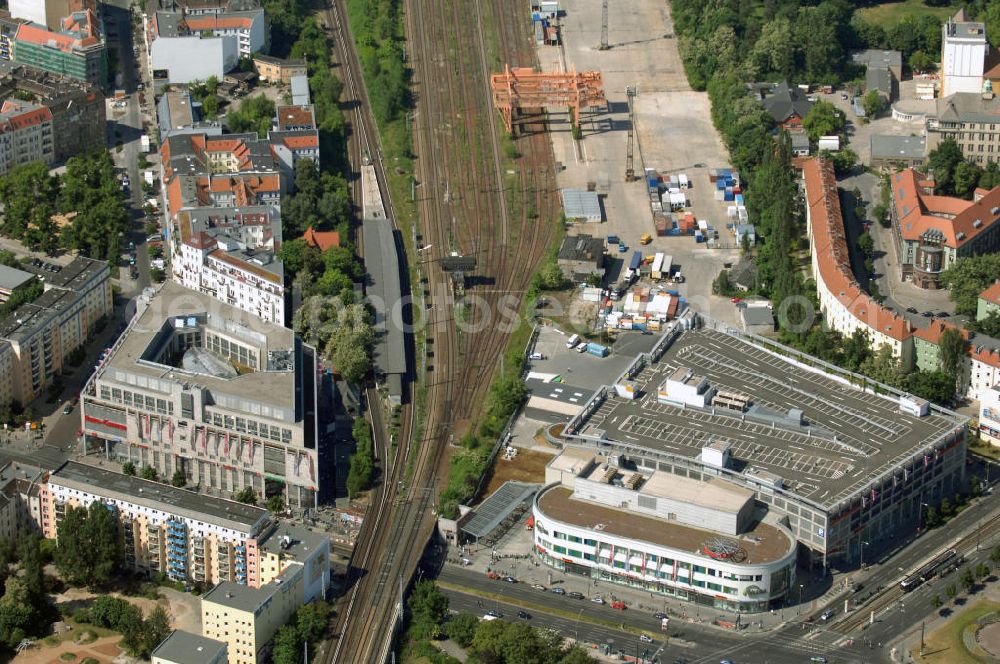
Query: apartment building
198,385
8,31
20,507
931,232
229,253
972,120
77,108
295,135
49,13
185,535
186,648
39,336
186,46
77,49
25,135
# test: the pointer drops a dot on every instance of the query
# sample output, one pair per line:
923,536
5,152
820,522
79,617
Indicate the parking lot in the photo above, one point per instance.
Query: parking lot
674,134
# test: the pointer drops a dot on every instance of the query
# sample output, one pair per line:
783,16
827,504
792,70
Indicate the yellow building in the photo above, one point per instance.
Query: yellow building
245,618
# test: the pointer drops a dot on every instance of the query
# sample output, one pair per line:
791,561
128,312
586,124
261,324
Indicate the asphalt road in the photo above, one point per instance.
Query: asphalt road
689,644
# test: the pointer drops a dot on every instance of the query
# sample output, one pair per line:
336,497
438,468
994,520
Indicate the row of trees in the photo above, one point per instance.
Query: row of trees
342,332
305,628
377,27
89,549
31,198
968,578
362,471
967,277
497,641
25,609
955,176
140,635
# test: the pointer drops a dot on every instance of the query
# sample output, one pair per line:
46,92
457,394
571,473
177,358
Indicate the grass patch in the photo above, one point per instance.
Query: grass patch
890,13
67,656
945,644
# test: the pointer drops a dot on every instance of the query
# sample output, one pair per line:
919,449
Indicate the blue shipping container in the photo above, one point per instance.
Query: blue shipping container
636,260
720,184
729,195
673,292
597,349
739,199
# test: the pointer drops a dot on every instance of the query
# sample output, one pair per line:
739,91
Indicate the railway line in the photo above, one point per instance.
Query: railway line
464,206
859,618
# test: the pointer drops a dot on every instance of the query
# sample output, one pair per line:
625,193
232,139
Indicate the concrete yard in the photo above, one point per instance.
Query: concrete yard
674,133
848,436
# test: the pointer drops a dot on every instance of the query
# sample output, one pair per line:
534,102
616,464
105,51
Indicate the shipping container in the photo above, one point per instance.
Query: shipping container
635,261
683,178
657,269
729,195
597,349
698,236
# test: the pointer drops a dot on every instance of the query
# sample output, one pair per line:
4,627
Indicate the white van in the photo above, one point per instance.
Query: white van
573,341
536,356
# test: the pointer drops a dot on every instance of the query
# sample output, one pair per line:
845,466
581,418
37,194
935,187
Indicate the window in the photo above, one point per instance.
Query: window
590,542
619,564
698,568
559,549
559,536
574,539
715,586
575,553
635,568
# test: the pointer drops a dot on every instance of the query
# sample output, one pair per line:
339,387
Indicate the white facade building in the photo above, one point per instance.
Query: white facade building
182,60
963,55
989,415
185,48
701,541
229,253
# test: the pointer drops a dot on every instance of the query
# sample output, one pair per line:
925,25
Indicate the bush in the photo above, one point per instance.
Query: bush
81,616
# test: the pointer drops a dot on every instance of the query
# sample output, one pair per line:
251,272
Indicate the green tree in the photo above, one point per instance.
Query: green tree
937,602
550,276
965,178
933,519
774,50
988,325
461,628
155,629
254,115
179,479
429,610
91,191
946,507
920,62
950,590
246,495
951,352
995,555
883,366
968,277
935,386
19,617
967,579
149,473
276,504
943,160
866,244
286,648
312,621
823,119
362,462
128,468
873,103
983,571
89,548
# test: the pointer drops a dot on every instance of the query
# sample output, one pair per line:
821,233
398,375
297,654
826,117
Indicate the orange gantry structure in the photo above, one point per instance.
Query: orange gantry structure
523,87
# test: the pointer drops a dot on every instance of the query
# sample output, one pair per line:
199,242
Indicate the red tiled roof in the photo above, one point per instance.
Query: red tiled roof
322,240
992,294
294,116
208,22
19,119
954,218
832,253
301,142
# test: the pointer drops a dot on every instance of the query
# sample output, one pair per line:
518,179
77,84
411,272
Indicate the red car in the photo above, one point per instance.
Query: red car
736,300
618,605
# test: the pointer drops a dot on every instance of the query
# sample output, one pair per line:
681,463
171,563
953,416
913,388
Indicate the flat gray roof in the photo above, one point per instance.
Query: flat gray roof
177,302
874,57
968,107
878,79
239,597
187,648
164,497
384,288
71,276
757,316
11,278
581,204
847,436
302,541
488,515
898,147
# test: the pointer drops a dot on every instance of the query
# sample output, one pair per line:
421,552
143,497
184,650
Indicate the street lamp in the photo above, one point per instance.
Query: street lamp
863,545
578,616
920,524
801,587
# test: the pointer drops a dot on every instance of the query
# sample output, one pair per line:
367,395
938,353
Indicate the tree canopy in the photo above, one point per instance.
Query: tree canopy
254,114
967,277
823,119
89,547
362,468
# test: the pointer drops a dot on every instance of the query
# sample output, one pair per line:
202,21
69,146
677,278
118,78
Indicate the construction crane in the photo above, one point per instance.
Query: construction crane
604,26
630,150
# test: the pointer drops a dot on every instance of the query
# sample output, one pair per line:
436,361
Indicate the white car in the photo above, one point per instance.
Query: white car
645,639
597,600
536,356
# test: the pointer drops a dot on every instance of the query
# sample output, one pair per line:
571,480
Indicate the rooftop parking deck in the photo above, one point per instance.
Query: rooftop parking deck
846,436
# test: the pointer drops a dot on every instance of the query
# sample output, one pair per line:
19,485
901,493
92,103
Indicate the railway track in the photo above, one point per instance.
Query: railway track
859,618
464,207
